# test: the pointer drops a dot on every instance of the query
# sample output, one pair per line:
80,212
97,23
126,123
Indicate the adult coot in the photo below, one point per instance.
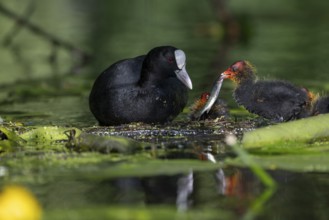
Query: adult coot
150,88
275,100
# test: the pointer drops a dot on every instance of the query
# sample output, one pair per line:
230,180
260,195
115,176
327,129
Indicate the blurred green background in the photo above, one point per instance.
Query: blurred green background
44,82
53,50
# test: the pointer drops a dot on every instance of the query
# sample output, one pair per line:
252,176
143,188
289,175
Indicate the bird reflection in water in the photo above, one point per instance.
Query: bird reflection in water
185,191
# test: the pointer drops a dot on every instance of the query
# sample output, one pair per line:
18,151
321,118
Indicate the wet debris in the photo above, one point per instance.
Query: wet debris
104,144
179,129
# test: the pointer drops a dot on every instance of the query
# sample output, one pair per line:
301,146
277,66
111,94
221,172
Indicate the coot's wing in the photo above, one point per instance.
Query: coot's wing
121,73
278,100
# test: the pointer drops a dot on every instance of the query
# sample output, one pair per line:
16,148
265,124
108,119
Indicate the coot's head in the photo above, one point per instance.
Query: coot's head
321,105
199,103
196,107
311,96
240,71
204,97
164,62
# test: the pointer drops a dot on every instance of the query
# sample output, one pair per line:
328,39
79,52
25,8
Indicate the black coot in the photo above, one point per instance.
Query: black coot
275,100
150,88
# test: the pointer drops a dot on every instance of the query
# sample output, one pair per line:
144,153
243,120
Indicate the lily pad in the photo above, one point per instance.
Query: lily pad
46,134
148,168
105,144
9,141
138,213
301,131
297,163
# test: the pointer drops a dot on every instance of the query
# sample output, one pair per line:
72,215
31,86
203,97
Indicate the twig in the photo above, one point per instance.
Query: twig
17,27
23,63
83,57
37,30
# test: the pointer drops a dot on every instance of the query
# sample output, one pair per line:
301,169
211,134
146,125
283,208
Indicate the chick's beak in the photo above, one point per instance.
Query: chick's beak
227,74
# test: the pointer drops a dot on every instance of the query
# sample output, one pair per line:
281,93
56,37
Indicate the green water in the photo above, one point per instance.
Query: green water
285,40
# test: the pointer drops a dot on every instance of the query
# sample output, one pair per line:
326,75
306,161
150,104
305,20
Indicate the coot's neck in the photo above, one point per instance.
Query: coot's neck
243,90
151,74
245,82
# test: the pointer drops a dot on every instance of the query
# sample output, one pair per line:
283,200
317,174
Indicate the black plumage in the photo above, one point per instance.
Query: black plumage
275,100
321,105
150,88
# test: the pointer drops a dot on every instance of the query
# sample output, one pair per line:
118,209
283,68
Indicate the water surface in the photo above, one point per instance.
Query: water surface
285,40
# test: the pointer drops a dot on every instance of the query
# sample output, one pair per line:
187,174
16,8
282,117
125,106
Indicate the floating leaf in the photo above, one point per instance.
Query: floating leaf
9,141
46,134
7,134
138,213
7,145
149,168
302,131
297,163
104,144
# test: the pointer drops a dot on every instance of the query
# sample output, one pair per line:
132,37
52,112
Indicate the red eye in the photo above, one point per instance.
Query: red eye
170,59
